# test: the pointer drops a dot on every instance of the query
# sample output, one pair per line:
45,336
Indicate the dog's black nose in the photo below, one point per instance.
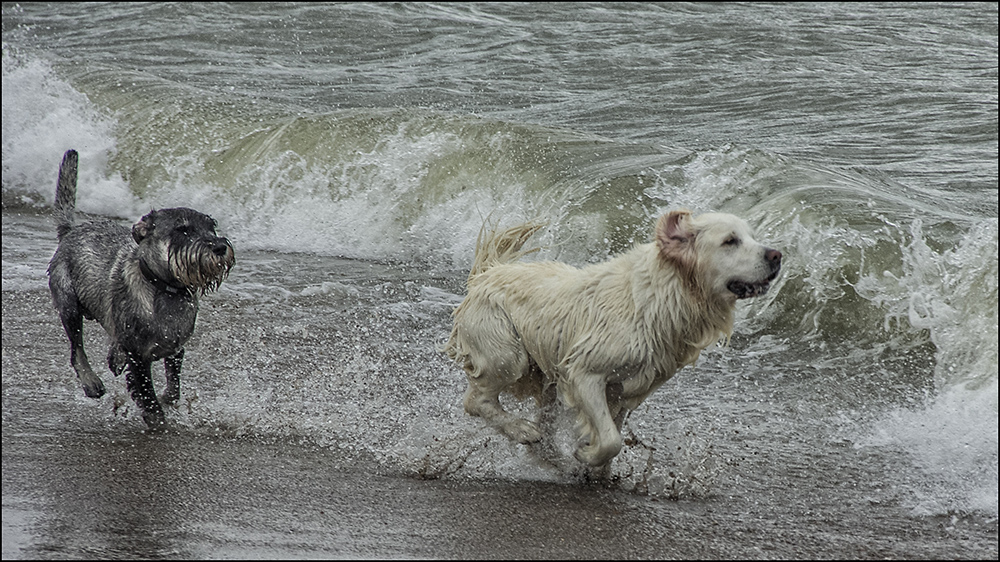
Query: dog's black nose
220,248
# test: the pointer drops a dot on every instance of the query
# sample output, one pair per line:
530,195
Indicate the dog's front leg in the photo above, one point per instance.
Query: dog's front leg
172,370
613,394
139,382
600,438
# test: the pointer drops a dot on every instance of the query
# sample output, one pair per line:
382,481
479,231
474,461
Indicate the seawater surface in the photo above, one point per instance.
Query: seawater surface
351,152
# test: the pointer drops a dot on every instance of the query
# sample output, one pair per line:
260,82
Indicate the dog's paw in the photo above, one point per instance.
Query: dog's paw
92,386
589,455
522,431
597,455
117,359
156,422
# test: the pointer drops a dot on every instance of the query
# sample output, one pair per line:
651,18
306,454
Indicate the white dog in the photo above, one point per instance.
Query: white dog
606,335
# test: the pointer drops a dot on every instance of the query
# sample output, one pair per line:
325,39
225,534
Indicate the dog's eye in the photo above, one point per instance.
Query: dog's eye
731,241
183,229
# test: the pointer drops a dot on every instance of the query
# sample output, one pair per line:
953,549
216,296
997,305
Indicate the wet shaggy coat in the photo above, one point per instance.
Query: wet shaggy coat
607,335
142,285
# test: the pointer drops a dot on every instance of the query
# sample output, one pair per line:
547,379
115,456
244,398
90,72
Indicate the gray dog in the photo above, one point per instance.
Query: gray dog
142,286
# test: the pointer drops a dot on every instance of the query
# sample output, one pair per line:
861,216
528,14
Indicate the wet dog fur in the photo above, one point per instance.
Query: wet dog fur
141,285
603,336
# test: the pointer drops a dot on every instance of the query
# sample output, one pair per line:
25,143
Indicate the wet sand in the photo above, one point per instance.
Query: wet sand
92,493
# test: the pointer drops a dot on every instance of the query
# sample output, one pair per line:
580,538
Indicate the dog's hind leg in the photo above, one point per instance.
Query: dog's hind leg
488,346
482,397
139,381
72,321
172,370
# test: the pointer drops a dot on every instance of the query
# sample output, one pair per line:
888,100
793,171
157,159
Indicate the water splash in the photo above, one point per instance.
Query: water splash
952,436
43,116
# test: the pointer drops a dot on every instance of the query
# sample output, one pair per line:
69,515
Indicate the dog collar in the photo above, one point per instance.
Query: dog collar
160,284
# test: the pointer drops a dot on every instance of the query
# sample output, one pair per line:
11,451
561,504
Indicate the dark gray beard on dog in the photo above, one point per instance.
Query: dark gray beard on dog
198,267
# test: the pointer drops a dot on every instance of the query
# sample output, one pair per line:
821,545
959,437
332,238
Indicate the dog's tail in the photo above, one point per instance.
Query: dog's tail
496,247
65,205
492,248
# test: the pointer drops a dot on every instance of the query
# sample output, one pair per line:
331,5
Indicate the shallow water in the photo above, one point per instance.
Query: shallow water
318,422
352,152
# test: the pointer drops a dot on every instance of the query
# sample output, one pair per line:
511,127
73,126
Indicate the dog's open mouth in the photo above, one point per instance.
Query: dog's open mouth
747,289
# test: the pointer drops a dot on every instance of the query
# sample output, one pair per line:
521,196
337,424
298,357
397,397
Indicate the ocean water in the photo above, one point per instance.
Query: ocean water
351,153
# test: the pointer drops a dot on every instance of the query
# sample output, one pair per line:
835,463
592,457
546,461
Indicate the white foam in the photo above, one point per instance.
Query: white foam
952,440
43,116
953,437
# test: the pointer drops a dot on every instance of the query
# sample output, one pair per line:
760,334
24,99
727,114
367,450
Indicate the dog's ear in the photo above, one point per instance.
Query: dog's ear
143,227
675,237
